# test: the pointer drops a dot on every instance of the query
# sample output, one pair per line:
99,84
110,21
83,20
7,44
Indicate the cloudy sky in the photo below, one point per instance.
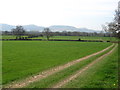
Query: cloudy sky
79,13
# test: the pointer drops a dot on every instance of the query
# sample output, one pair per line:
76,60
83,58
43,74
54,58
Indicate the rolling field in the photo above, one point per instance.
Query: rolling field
25,58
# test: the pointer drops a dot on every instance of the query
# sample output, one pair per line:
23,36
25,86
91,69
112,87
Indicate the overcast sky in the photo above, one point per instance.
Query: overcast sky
79,13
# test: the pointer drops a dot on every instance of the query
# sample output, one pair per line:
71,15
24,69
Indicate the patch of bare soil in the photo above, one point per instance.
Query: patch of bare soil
72,77
46,73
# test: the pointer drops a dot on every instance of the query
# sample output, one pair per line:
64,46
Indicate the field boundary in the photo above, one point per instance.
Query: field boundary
72,77
52,40
51,71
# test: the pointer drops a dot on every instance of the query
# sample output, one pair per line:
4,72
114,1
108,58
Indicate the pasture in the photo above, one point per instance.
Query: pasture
8,37
25,58
67,38
104,74
53,79
81,37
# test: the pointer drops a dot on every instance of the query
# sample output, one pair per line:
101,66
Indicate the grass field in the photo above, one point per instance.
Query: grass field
84,38
67,38
103,74
8,37
23,58
53,79
81,37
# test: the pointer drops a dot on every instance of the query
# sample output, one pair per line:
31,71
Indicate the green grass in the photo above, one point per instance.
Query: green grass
25,58
67,38
103,74
53,79
81,37
8,37
0,36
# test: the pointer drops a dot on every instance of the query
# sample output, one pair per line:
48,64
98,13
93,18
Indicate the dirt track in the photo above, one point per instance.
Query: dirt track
65,81
51,71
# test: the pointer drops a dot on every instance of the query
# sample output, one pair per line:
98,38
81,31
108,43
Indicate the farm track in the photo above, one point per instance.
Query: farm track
46,73
72,77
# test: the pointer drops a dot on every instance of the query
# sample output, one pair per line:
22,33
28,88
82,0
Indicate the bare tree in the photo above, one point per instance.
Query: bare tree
47,33
114,27
19,31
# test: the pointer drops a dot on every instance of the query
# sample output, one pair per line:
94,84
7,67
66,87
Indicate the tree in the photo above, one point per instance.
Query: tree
19,31
47,32
114,27
5,33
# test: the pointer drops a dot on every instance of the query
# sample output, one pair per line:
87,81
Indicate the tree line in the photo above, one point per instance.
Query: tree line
20,32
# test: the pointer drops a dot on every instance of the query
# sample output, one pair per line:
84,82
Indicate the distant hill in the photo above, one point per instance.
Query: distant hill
87,30
33,27
6,27
70,28
60,28
63,28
